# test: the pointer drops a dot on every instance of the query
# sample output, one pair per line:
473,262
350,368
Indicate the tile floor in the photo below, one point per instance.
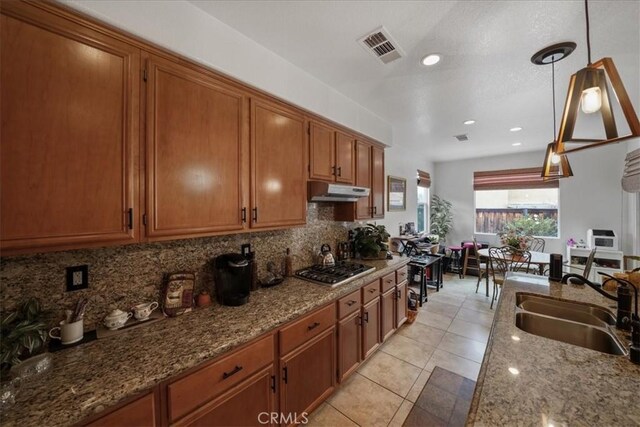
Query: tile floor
450,331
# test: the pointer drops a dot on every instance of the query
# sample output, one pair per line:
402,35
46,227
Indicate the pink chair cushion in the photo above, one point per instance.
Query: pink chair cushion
455,248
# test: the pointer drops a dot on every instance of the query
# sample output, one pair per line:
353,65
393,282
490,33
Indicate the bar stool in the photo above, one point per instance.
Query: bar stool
469,254
454,263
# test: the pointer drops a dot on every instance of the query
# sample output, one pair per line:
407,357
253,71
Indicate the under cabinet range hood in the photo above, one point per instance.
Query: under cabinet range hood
326,192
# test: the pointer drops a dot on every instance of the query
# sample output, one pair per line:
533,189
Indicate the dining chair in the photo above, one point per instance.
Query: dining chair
536,244
503,260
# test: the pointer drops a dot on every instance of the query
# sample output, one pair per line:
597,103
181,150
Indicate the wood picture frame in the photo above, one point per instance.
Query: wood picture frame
396,194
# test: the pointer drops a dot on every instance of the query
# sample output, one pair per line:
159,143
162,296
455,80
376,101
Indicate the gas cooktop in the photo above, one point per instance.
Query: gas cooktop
335,275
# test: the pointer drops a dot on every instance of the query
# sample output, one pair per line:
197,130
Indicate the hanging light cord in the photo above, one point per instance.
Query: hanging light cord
586,14
553,92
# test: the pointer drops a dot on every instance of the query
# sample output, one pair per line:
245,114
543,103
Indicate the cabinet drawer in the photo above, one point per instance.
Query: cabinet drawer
370,291
349,304
141,412
306,328
401,275
192,391
388,282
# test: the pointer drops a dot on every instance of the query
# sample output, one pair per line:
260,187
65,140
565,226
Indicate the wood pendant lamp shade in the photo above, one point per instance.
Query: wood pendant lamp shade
595,75
555,171
424,179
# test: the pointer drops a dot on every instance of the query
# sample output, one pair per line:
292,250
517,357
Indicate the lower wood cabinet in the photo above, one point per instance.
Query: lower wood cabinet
388,308
401,303
141,413
349,345
251,403
307,376
370,327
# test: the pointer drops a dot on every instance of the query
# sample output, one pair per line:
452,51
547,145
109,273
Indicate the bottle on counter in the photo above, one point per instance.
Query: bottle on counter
288,264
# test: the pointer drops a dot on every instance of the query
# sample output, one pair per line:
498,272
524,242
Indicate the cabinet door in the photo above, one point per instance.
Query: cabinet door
308,375
141,412
388,313
345,158
371,327
248,404
349,345
194,152
69,153
322,164
377,182
401,301
279,192
363,178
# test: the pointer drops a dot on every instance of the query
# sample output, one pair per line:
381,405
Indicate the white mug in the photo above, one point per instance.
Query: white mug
69,332
143,311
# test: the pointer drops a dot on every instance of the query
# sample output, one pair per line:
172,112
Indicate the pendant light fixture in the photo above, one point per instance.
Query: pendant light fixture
589,93
555,165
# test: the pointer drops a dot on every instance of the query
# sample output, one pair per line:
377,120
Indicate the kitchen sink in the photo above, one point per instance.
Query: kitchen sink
583,313
575,333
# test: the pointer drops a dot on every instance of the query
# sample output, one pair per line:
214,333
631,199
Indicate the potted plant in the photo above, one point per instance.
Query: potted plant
440,217
371,241
23,334
434,239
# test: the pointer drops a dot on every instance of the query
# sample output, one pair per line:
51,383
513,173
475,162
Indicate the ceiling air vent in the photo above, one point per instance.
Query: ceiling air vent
380,44
462,138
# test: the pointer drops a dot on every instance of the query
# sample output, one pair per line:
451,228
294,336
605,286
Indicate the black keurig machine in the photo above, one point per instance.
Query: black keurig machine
232,279
555,267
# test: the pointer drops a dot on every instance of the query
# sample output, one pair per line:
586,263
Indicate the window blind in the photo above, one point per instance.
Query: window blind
631,176
424,179
511,179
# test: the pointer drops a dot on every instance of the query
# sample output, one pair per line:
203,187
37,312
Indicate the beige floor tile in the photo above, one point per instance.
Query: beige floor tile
433,319
401,415
453,363
413,394
448,298
473,316
390,372
365,402
441,307
422,333
328,416
461,346
470,330
409,350
478,305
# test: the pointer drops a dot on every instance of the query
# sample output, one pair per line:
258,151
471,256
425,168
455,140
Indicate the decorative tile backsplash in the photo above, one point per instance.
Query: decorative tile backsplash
122,276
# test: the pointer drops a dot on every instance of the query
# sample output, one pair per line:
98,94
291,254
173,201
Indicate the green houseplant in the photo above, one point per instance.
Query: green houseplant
440,217
370,240
23,334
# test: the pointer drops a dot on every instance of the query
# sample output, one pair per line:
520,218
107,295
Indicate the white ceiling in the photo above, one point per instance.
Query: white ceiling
485,73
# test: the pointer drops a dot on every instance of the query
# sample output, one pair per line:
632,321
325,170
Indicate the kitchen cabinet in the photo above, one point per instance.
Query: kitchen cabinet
70,125
141,412
278,153
195,152
370,174
371,327
401,303
388,308
248,404
331,154
349,334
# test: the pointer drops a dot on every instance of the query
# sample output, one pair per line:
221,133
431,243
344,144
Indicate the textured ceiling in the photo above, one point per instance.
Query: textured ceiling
485,73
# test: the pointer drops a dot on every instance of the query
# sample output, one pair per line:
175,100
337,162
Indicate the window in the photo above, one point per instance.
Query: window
516,198
424,182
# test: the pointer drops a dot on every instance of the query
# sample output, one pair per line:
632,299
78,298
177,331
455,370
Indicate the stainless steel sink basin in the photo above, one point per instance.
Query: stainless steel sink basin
575,333
584,313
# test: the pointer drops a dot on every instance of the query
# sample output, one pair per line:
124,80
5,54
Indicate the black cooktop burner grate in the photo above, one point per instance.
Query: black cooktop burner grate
335,275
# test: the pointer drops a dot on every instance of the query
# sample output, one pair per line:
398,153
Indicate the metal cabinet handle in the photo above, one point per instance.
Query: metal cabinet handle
273,383
398,294
372,290
233,372
375,210
366,316
350,303
285,374
334,171
358,320
313,326
339,170
255,214
244,214
130,218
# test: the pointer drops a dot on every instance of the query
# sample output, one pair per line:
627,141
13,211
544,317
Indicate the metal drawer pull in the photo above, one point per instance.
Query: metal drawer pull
233,372
366,316
372,290
350,303
313,326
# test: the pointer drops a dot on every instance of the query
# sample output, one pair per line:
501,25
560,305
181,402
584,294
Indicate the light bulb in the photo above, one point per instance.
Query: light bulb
555,158
591,100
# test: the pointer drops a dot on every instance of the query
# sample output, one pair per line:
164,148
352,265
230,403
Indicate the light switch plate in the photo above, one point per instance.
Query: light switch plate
77,277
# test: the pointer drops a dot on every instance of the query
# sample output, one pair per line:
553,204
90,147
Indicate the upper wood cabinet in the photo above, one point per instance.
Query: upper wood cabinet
278,182
377,182
195,152
331,154
69,151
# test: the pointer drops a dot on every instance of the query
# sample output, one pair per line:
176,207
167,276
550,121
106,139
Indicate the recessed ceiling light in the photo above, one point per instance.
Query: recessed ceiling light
469,122
431,59
516,129
517,144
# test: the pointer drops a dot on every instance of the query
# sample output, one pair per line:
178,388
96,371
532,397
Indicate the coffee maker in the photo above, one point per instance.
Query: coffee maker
232,274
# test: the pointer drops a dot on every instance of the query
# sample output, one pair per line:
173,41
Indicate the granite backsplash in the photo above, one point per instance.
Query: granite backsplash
122,276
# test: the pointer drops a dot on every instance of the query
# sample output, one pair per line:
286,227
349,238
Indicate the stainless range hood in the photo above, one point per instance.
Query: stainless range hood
327,192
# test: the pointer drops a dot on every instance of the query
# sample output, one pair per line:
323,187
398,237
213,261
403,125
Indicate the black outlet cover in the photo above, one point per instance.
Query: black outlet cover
77,277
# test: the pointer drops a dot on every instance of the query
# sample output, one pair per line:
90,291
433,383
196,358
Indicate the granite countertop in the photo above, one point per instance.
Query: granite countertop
558,384
91,377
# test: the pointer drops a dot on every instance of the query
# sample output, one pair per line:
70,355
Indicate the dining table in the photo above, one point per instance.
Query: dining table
541,259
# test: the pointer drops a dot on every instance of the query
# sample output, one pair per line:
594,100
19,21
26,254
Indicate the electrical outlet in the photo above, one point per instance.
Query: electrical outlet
245,249
77,277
